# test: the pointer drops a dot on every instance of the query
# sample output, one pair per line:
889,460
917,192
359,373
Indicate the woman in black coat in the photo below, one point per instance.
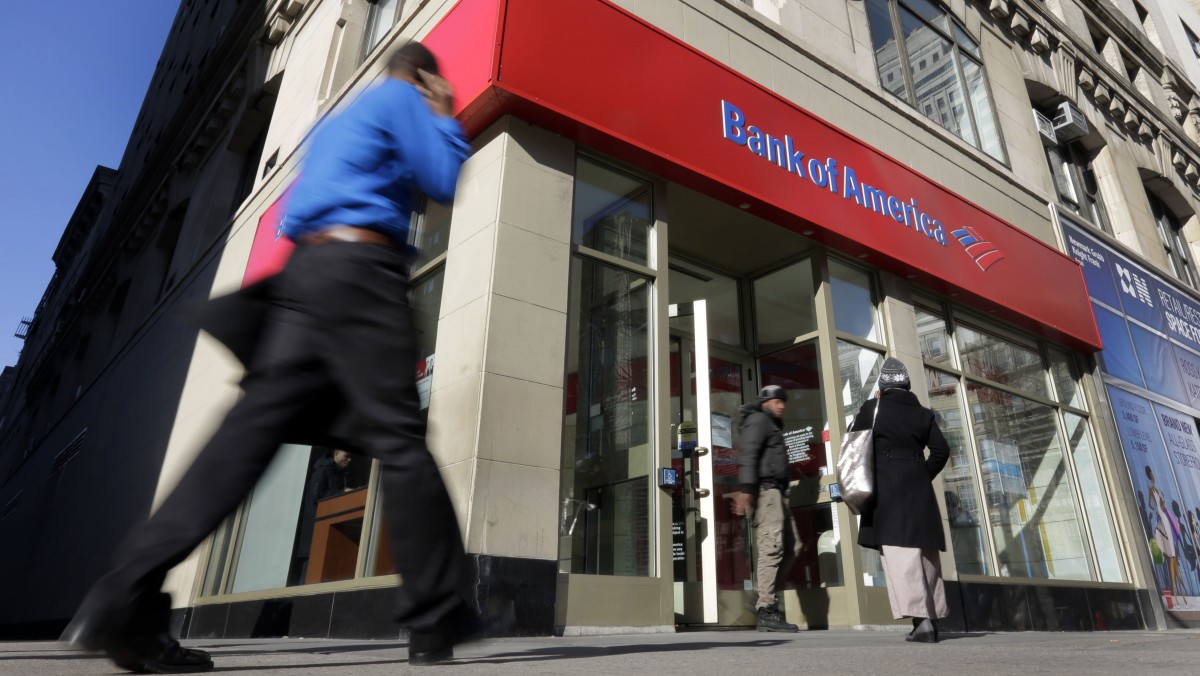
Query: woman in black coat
902,519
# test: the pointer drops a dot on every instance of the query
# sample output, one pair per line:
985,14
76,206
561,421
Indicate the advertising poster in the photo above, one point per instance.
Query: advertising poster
1142,427
1180,507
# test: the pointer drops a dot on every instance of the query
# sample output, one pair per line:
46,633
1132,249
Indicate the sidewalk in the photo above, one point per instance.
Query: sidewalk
736,653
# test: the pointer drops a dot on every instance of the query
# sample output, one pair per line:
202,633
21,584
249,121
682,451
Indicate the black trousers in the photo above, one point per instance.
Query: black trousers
337,322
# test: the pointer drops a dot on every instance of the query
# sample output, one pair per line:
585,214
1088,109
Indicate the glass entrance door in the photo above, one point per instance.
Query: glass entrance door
710,546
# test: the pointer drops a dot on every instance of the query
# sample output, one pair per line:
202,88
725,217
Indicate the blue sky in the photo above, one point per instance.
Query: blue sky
72,77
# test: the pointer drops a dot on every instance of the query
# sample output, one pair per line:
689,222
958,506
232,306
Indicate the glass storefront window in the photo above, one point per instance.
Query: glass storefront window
687,283
859,376
854,302
607,446
1034,517
430,232
613,212
967,536
1066,381
1001,361
1095,498
784,304
935,341
305,520
797,370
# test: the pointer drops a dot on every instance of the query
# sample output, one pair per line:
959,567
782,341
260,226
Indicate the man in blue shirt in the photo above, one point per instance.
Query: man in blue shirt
331,361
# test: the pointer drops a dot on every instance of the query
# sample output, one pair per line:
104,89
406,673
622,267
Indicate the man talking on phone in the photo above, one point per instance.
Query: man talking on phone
334,340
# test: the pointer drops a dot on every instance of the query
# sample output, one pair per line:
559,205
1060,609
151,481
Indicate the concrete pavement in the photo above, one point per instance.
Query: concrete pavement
737,653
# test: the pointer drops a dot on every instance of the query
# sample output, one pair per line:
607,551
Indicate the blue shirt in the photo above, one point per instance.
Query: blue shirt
364,164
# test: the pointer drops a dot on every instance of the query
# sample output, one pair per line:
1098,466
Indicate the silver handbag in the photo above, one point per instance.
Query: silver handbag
856,465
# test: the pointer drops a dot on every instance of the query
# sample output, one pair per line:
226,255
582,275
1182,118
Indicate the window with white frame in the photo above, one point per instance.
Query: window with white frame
926,57
380,18
1075,182
1170,233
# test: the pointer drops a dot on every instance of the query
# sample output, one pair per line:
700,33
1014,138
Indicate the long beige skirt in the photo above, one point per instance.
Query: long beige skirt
914,582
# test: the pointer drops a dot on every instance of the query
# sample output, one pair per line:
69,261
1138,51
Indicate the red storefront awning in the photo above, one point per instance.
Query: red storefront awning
600,75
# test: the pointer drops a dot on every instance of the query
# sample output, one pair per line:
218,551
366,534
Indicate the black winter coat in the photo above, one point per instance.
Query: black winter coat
903,512
761,451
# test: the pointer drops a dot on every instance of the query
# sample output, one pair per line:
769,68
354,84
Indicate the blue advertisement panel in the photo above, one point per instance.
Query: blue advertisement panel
1152,436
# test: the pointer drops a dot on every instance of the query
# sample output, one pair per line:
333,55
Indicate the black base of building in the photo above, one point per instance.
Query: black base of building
518,595
978,607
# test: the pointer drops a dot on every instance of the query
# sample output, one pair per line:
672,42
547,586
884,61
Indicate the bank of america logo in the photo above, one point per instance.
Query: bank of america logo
984,253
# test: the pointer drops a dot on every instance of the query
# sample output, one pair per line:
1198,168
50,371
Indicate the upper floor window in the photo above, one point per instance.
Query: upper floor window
380,19
1170,233
927,58
1193,41
1075,182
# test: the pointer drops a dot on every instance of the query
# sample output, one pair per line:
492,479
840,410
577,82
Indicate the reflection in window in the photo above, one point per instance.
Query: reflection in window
613,212
605,524
1066,379
859,376
687,282
934,65
430,232
1001,361
967,537
1034,517
854,302
784,304
931,332
1095,498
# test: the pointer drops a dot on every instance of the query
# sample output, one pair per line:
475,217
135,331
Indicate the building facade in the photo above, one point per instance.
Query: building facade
1001,194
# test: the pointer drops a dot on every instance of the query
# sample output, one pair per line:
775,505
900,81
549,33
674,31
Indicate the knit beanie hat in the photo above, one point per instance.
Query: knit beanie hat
772,392
893,374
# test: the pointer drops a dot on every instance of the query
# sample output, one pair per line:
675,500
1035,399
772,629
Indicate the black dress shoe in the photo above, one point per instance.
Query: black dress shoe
425,648
158,654
925,632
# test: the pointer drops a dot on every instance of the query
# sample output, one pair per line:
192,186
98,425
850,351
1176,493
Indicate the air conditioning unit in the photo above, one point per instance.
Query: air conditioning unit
1045,129
1069,123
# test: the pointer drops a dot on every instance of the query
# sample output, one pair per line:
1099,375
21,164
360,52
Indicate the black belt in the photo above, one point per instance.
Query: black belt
771,483
348,233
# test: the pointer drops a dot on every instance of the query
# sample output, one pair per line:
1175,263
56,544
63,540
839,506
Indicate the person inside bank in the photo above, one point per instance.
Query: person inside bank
901,519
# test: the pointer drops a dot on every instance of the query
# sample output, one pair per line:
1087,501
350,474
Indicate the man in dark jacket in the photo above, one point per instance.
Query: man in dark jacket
763,474
329,476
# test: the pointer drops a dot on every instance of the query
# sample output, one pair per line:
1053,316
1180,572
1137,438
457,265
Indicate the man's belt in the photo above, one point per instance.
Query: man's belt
348,233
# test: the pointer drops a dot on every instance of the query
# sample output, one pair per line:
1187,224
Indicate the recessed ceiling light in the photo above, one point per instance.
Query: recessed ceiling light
744,205
807,232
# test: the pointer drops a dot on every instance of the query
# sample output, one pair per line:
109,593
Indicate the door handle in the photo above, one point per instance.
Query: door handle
700,493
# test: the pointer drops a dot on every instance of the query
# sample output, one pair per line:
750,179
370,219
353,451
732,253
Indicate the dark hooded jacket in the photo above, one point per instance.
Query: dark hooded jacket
762,455
903,512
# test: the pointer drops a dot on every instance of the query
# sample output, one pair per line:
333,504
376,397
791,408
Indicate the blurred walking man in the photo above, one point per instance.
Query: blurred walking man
333,342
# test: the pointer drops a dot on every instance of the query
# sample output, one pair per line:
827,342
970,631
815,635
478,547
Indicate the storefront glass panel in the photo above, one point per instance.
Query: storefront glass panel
1118,357
1095,498
784,305
613,212
1034,518
935,342
962,494
1066,380
605,524
1001,361
854,302
859,370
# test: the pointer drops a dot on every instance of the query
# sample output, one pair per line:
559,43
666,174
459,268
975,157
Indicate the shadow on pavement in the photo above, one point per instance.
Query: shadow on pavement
582,652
